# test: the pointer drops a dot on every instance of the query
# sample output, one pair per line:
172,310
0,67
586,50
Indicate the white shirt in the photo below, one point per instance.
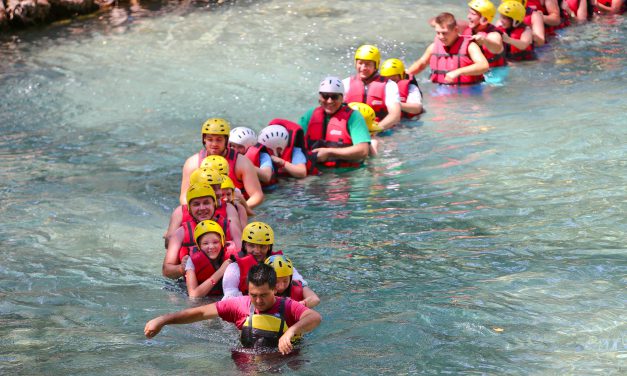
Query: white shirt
391,91
414,95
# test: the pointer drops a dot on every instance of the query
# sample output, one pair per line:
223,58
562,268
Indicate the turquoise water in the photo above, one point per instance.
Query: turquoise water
487,238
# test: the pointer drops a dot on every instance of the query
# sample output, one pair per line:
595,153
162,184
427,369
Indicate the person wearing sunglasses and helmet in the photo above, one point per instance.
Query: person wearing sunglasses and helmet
454,60
367,86
207,261
289,288
335,135
215,139
484,33
257,243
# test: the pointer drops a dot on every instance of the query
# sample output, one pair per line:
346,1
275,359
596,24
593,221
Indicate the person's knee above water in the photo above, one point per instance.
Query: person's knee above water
454,60
369,87
517,36
285,141
264,319
257,244
201,205
215,137
408,89
241,138
289,288
207,261
335,135
484,33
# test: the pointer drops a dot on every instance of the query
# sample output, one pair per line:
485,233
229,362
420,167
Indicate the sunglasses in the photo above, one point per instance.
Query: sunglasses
333,96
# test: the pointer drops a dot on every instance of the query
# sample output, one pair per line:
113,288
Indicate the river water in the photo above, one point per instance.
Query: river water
487,238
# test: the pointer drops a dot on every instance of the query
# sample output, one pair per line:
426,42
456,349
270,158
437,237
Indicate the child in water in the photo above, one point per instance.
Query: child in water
207,262
289,288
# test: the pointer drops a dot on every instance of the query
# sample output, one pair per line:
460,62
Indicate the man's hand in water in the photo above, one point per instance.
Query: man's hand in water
153,327
285,342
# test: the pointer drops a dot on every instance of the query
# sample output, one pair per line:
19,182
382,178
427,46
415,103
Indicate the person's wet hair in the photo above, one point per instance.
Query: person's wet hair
446,19
261,274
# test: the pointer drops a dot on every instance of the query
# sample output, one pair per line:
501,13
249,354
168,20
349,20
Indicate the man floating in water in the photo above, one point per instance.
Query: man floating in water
264,319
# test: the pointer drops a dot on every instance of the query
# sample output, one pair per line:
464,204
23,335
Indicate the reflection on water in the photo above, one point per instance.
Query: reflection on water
487,237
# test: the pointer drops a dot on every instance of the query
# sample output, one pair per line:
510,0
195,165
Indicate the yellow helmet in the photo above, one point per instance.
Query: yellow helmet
216,126
208,226
369,52
200,190
484,7
365,110
281,264
392,67
523,2
205,176
216,162
513,9
258,233
227,183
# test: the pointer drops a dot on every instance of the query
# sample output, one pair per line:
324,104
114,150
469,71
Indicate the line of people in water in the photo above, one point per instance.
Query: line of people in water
210,242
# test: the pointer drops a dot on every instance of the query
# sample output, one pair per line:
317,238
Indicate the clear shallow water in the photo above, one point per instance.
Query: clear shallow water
488,238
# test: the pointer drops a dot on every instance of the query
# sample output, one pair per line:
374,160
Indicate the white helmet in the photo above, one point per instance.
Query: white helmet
331,85
274,136
243,136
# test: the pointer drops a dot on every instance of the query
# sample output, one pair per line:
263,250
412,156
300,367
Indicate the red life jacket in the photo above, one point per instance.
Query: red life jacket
254,154
221,217
527,19
403,91
445,59
296,140
186,216
493,59
245,262
514,53
373,94
231,156
188,239
294,291
333,133
204,268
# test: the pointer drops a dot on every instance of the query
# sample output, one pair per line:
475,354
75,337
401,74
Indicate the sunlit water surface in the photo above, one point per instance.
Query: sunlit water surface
487,238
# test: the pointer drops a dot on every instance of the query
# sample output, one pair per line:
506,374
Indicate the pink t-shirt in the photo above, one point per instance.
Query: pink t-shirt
236,310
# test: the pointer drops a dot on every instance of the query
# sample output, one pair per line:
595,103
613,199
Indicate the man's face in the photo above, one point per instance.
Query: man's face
365,68
445,35
214,143
202,208
262,296
330,102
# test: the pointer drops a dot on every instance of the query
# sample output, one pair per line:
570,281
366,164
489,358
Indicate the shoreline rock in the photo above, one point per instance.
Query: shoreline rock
16,14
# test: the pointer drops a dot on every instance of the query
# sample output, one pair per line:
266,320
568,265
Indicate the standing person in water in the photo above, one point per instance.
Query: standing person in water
367,86
484,33
264,319
454,60
610,6
335,135
215,137
289,288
